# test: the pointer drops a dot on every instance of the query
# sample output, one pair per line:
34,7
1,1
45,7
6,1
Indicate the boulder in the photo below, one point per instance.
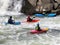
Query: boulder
33,6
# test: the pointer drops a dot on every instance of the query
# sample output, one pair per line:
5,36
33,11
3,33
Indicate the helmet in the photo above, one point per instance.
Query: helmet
10,16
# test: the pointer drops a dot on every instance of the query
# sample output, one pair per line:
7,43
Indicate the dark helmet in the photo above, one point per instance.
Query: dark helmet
28,16
10,16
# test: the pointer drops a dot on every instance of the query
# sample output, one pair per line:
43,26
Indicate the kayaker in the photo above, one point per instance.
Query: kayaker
38,27
29,19
10,20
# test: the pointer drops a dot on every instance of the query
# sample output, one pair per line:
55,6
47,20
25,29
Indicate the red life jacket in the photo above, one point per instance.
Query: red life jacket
28,18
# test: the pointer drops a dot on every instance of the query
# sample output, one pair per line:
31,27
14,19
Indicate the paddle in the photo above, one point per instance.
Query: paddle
33,17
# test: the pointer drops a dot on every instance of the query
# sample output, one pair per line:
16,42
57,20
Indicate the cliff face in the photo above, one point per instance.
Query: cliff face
58,1
32,2
27,8
32,6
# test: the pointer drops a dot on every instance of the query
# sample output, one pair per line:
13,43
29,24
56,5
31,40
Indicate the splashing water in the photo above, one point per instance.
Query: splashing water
18,6
10,7
16,35
3,6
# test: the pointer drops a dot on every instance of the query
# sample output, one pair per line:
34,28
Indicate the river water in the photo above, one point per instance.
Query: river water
19,34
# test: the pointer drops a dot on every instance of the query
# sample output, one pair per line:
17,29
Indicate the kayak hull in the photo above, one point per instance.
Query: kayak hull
39,15
51,15
16,23
37,32
34,21
48,15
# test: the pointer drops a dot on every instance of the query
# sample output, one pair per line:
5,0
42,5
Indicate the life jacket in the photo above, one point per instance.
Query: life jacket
29,19
37,28
10,21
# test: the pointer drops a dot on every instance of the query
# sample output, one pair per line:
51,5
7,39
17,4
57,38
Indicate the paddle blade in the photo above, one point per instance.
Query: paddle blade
46,29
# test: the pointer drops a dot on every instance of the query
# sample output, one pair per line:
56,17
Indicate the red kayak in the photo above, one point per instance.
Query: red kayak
34,21
37,32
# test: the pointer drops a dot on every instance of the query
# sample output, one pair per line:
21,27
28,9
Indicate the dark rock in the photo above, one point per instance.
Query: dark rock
27,8
30,6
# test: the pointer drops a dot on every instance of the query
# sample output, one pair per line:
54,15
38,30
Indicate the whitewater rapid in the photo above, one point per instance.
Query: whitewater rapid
10,7
19,34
